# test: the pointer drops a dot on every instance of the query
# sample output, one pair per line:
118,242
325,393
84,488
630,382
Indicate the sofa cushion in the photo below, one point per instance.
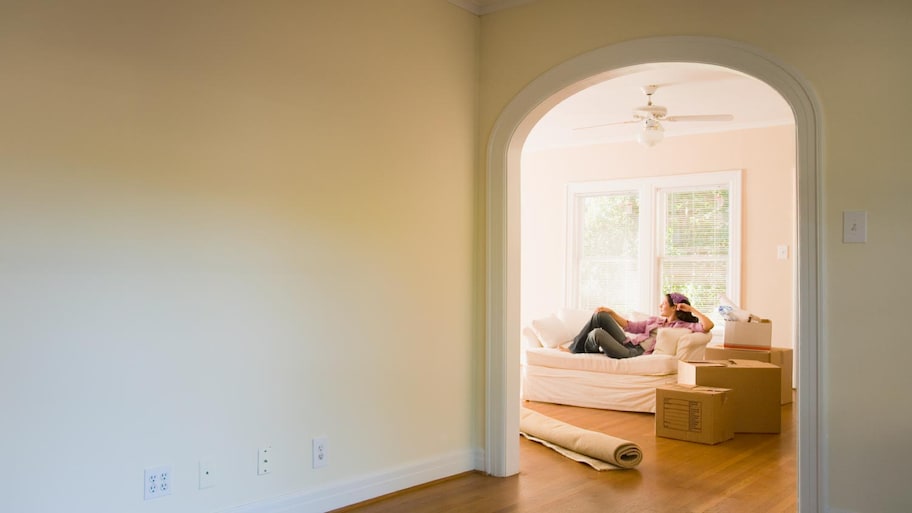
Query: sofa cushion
667,340
646,365
693,346
551,331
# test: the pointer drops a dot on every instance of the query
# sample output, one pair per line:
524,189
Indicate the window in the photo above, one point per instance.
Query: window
633,240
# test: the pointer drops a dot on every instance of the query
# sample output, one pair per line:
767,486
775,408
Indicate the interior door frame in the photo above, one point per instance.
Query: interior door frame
502,400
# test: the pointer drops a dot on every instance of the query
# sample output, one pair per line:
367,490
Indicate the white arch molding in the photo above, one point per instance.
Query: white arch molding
503,233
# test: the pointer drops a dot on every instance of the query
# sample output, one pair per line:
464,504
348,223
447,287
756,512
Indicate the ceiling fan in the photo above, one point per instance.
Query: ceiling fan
651,117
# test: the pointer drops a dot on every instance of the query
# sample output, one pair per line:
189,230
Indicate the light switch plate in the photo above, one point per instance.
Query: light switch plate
782,252
854,226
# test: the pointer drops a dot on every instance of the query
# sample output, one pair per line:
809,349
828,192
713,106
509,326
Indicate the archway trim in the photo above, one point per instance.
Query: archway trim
503,240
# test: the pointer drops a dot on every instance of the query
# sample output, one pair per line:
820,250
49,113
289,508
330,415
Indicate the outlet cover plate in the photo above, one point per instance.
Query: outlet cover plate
206,474
264,460
156,482
320,452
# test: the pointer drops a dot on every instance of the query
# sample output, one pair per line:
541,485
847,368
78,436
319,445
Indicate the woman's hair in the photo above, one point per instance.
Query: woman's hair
675,298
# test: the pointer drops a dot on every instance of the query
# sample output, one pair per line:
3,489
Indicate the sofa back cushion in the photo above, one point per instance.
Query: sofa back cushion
574,319
556,330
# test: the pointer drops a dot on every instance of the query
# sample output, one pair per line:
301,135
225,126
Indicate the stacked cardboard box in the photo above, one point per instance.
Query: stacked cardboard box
781,356
754,390
755,334
694,413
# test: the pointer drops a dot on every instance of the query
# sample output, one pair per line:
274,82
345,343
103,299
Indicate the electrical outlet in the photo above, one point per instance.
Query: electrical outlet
157,482
320,452
264,460
206,474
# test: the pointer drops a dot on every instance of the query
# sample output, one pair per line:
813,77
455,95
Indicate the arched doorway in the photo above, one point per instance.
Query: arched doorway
502,279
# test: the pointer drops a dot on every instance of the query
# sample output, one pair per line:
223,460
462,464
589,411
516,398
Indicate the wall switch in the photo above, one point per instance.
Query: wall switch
854,226
264,460
320,452
157,482
206,474
782,252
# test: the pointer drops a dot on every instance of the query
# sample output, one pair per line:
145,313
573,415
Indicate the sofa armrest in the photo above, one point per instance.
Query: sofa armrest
530,339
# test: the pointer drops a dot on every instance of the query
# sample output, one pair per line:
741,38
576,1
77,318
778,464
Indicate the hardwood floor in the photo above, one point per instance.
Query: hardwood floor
751,473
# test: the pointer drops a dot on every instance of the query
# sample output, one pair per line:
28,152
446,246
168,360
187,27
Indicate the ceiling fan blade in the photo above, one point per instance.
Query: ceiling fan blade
703,117
609,124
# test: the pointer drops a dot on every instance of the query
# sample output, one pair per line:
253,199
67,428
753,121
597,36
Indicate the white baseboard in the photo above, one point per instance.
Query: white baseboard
348,492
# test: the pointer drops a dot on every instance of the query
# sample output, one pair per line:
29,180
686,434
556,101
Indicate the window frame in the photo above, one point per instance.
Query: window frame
651,227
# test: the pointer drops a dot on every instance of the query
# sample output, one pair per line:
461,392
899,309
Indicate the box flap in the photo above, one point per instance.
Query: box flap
696,388
707,363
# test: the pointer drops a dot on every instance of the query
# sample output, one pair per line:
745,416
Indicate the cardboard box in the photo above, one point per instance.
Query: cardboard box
694,413
781,356
756,334
754,390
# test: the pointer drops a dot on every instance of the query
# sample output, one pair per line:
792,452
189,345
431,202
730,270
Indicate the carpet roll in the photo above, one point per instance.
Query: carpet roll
592,444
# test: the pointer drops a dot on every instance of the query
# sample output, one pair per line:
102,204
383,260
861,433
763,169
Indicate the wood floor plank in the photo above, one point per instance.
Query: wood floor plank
751,473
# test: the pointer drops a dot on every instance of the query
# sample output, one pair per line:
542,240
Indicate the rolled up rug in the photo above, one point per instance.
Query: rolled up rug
598,450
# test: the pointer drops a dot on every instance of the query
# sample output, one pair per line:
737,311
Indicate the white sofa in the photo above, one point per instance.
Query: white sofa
552,374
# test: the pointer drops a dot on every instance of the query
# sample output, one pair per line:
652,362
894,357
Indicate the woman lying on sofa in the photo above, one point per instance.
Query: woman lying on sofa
607,330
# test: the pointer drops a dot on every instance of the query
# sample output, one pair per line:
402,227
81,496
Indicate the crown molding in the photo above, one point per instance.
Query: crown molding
482,7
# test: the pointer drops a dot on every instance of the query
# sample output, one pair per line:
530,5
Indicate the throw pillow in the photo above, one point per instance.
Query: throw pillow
551,331
667,340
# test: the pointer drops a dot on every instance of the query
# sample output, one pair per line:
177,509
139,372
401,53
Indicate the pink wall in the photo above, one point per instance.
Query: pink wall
766,157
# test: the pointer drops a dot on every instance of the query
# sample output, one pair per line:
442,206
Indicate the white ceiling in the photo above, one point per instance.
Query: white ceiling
684,89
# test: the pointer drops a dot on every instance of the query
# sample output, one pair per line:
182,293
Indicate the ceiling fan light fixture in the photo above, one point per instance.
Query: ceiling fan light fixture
652,134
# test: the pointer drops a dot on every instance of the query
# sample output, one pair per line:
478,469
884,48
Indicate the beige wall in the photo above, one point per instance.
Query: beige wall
766,157
230,224
849,53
